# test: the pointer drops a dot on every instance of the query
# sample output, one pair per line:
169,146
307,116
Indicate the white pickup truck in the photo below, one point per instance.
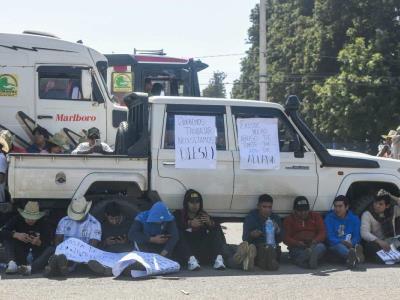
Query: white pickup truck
144,163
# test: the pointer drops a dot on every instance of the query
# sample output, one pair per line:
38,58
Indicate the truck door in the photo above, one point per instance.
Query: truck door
60,102
296,176
215,185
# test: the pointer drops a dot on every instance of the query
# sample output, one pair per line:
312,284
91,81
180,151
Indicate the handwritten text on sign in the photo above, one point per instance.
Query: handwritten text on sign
195,142
258,143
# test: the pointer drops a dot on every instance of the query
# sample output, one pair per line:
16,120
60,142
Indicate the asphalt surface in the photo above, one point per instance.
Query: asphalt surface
290,282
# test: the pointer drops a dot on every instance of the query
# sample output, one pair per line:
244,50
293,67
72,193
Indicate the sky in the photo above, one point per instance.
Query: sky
183,28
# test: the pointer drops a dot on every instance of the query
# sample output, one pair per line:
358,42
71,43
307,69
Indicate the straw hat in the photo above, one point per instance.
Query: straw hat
59,139
78,208
31,211
6,140
391,134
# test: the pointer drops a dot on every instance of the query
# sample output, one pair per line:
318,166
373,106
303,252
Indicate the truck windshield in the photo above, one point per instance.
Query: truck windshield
155,75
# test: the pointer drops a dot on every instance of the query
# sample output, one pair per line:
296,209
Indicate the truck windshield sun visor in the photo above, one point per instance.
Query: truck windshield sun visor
291,108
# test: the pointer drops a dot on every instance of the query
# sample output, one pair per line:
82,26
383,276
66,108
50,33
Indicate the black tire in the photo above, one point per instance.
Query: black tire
123,139
361,204
129,209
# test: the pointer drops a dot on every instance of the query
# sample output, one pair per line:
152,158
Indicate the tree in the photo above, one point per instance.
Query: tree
342,58
216,86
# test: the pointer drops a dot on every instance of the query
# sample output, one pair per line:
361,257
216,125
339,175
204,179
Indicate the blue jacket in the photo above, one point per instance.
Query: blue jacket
337,228
157,220
254,221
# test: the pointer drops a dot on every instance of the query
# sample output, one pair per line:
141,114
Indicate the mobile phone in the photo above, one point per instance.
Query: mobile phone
167,235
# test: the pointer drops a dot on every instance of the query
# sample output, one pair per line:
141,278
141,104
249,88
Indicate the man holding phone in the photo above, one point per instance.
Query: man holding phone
93,145
26,233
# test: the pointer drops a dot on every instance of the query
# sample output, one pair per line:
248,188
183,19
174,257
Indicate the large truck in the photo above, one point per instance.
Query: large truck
145,164
127,73
55,84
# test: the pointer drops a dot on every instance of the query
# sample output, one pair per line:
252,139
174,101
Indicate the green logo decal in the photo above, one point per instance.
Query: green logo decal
8,85
122,82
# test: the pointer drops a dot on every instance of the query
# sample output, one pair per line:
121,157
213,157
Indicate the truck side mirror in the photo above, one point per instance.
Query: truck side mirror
86,84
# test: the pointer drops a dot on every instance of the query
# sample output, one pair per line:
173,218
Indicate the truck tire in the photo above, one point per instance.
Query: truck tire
123,139
128,209
361,204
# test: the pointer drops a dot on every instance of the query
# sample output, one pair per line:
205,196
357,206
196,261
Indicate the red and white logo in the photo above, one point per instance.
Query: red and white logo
74,118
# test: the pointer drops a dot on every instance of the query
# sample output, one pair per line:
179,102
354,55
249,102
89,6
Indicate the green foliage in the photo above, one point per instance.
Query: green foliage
342,58
216,86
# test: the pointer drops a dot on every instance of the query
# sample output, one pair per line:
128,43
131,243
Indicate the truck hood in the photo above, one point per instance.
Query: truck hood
386,163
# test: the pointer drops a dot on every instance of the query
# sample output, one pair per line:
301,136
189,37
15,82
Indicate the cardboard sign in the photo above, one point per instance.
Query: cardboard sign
258,143
195,142
8,85
122,82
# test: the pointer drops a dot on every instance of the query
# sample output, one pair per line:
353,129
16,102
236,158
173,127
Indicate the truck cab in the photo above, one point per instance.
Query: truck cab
57,85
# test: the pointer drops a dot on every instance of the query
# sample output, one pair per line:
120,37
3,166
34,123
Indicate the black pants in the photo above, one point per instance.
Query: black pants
204,245
177,253
19,252
370,249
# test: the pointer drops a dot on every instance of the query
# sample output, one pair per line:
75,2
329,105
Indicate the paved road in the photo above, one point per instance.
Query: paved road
290,282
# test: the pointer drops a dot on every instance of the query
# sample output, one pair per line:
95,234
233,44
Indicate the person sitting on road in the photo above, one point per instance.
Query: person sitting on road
155,231
201,236
58,144
254,233
26,234
114,236
343,233
93,145
380,225
79,224
304,234
40,138
7,138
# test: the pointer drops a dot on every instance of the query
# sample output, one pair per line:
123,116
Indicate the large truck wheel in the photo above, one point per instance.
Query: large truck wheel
128,208
123,139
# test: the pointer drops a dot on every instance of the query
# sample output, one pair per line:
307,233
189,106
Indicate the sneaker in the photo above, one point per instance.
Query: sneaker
193,264
251,255
313,258
360,254
219,263
241,255
24,270
352,259
99,269
62,264
11,267
271,262
51,269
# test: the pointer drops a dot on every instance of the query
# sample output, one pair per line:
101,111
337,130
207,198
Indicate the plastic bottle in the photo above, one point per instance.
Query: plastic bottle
29,258
270,233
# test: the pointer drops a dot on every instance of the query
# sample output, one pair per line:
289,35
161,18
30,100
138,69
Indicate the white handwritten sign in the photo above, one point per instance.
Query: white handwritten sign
258,143
195,142
78,251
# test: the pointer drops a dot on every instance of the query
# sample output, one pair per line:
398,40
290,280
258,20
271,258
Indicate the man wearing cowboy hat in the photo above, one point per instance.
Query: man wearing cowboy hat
27,232
77,224
7,137
93,145
58,144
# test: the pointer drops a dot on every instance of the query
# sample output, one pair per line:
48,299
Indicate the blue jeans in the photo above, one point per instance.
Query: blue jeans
300,256
340,250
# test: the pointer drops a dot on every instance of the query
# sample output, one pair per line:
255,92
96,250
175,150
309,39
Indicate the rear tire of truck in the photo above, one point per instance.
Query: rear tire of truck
123,139
128,209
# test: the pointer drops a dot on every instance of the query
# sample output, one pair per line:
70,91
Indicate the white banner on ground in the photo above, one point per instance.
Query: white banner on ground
78,251
154,264
258,143
195,142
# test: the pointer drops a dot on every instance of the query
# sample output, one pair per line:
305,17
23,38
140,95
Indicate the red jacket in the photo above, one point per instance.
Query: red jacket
298,230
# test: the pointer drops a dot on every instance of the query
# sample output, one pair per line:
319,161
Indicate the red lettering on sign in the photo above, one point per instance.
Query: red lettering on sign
75,118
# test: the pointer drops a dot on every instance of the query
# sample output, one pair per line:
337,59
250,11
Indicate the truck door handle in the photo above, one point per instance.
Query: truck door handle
168,163
44,117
